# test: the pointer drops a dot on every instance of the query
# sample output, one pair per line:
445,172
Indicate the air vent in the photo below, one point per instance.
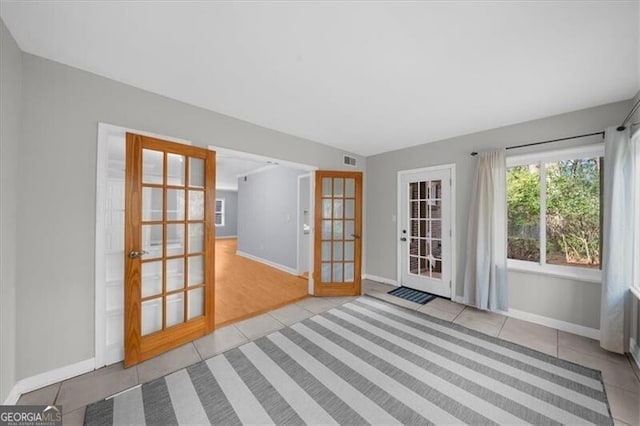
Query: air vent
349,161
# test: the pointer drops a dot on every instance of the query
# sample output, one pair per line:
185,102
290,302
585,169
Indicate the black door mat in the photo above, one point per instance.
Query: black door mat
412,295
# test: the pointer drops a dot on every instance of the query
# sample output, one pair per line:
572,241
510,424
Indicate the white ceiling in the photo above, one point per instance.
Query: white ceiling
229,168
367,77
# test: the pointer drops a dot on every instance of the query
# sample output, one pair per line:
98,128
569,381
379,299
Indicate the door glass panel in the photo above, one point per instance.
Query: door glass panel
326,208
349,187
349,230
175,309
338,187
151,278
423,228
413,265
151,204
348,272
437,269
152,241
436,208
175,274
196,172
337,229
152,166
175,172
175,204
337,272
337,250
423,190
196,303
436,229
349,209
326,229
325,275
349,250
337,209
151,317
415,210
413,191
326,187
196,205
326,250
175,239
414,228
196,238
436,248
196,270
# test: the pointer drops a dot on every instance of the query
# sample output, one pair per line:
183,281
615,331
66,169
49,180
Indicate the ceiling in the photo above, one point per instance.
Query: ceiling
366,77
229,168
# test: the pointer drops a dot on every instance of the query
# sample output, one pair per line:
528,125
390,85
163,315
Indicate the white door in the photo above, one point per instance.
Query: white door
425,231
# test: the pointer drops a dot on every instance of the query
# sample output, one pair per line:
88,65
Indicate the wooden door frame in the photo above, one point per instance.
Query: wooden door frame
137,347
320,289
452,168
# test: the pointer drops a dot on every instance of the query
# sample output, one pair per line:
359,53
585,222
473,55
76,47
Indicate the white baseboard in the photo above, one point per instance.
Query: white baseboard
226,237
284,268
569,327
635,351
380,279
47,378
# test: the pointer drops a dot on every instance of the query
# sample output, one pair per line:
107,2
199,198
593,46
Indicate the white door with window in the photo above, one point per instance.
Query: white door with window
425,230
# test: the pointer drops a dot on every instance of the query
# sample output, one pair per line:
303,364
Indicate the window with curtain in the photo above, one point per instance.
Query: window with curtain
219,220
554,212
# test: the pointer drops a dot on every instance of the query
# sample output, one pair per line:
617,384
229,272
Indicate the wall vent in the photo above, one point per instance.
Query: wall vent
349,161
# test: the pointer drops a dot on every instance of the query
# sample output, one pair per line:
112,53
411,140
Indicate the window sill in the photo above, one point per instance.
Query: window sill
567,272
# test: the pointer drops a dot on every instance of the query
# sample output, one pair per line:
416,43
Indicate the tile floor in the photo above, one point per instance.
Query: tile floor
620,375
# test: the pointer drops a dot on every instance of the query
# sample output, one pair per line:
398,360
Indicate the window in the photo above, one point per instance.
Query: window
219,212
553,212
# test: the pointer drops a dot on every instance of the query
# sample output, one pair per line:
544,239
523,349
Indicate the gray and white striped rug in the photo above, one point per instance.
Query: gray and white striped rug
368,362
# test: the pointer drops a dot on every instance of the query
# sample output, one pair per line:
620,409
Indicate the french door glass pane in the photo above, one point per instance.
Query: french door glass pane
326,187
175,309
348,272
151,317
196,205
196,238
337,209
175,274
325,273
326,250
349,209
196,303
151,278
349,251
175,204
349,187
338,187
151,204
175,169
196,172
326,229
175,239
152,167
152,241
337,250
196,270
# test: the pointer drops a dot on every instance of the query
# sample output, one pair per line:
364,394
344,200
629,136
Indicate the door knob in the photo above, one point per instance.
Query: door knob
403,239
356,236
136,254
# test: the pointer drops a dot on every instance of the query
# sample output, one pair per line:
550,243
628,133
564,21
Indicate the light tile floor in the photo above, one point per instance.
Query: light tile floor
621,378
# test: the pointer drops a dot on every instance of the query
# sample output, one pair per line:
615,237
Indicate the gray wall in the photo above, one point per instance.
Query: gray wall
10,113
267,215
56,194
230,228
563,299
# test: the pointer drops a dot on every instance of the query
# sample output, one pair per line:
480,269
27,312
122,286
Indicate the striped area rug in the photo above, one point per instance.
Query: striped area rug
368,362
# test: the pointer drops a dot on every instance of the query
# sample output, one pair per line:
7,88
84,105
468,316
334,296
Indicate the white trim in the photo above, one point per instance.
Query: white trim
452,221
104,131
380,279
226,237
299,224
258,170
47,378
226,152
569,327
635,351
284,268
560,271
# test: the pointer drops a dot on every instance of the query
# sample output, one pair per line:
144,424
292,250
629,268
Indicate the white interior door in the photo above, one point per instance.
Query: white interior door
425,231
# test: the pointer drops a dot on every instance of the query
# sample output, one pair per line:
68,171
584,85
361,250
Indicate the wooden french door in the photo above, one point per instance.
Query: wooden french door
338,230
169,245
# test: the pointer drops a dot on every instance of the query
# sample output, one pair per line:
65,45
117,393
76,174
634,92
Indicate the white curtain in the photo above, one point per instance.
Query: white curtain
485,278
618,234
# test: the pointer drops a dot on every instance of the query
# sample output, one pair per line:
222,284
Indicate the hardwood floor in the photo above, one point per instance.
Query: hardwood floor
245,288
